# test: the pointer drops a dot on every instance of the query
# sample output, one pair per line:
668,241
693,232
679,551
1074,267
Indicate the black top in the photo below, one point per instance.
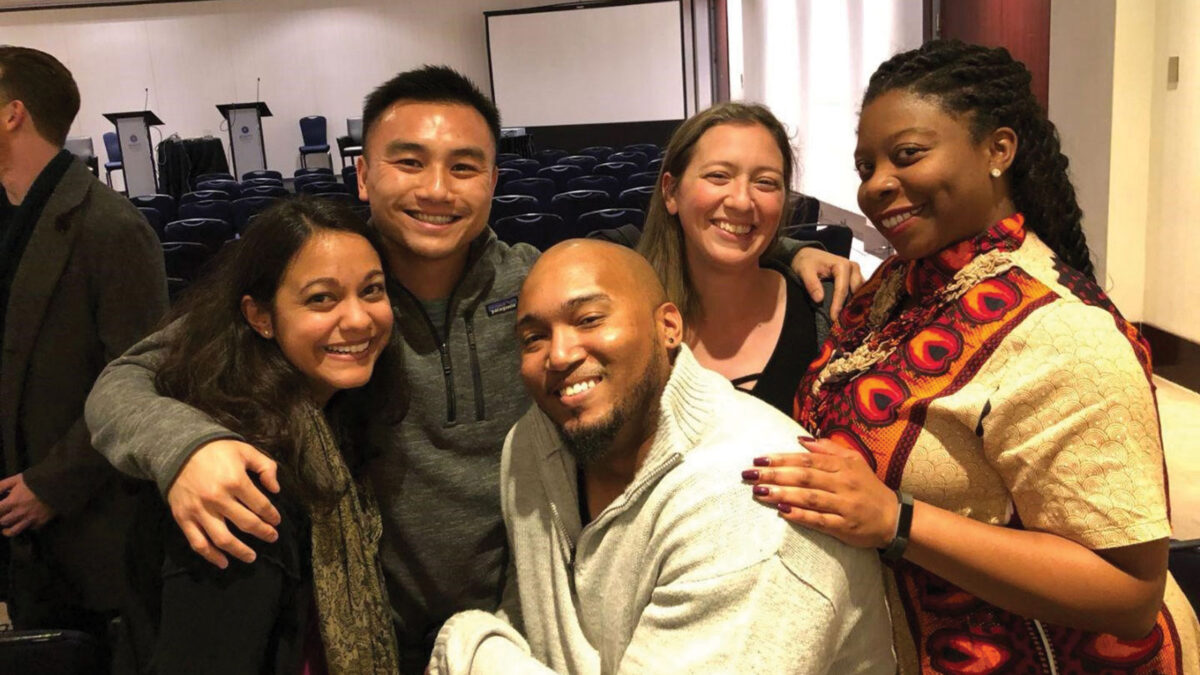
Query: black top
17,223
796,348
192,617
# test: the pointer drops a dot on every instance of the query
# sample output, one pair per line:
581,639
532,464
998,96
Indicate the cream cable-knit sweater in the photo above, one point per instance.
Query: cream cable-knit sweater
683,573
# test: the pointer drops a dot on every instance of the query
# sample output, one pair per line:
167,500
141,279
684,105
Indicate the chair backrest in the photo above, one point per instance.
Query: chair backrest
654,164
805,209
212,232
505,175
339,196
164,204
202,195
560,174
504,206
598,151
548,156
263,173
535,229
185,259
354,129
314,187
609,184
266,180
529,167
606,219
155,218
312,128
265,191
350,182
631,156
112,146
208,208
621,170
246,207
316,169
227,185
586,161
81,147
837,239
206,177
648,149
506,157
569,205
542,188
640,179
636,198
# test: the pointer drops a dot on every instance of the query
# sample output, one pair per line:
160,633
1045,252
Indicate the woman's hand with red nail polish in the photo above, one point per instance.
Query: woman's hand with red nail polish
831,489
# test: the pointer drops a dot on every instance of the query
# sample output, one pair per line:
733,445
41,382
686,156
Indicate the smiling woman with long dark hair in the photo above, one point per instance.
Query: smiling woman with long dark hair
285,344
986,415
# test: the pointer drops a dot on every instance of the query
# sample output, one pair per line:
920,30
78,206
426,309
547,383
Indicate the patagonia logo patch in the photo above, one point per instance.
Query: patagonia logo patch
502,306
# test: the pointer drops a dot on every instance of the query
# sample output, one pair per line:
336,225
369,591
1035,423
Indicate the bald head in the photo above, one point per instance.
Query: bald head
619,270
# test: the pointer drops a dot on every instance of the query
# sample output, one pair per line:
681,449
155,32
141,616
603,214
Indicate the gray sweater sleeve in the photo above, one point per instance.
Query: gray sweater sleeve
140,432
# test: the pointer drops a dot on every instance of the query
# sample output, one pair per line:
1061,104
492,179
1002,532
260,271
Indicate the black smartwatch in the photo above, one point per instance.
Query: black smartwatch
895,550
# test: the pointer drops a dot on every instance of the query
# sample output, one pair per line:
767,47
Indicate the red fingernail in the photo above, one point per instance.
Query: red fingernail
783,508
762,461
750,474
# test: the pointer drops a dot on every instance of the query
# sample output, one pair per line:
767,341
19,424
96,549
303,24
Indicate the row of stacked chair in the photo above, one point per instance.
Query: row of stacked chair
556,195
220,209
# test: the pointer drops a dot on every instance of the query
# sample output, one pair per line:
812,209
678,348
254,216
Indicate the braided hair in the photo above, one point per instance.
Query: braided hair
993,88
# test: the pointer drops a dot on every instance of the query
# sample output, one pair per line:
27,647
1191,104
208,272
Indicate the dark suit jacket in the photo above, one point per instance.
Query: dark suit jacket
90,283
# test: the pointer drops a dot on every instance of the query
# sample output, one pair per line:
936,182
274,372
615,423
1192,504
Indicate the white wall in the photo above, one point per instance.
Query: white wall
809,61
1172,293
313,57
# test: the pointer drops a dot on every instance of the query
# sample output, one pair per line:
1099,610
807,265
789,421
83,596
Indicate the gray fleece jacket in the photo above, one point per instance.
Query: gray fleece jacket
681,573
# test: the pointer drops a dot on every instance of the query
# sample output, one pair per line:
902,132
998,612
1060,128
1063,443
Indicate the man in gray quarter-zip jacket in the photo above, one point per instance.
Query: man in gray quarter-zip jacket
635,546
428,171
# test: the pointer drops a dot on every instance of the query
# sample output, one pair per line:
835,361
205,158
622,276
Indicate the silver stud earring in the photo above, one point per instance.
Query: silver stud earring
995,172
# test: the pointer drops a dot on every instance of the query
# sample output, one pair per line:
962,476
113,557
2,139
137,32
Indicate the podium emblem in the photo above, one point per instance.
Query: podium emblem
245,130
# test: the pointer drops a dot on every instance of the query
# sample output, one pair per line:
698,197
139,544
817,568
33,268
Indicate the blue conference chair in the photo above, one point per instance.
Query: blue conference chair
202,195
569,206
184,259
600,152
505,175
208,208
247,207
276,191
164,204
549,156
220,175
226,185
112,145
305,171
609,184
607,219
504,206
631,156
535,229
313,131
641,179
262,173
155,218
636,198
528,167
621,170
266,180
542,188
654,164
314,187
560,174
506,157
585,161
648,149
211,232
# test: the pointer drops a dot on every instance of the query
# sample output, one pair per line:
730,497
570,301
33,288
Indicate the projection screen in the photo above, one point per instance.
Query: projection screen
588,65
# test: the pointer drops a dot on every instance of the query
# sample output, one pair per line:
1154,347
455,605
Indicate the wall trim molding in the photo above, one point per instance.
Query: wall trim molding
1174,358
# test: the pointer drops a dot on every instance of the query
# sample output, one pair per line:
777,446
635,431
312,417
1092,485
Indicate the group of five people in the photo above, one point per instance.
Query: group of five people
341,393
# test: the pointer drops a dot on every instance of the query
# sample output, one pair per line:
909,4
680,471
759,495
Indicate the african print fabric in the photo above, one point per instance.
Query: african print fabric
1023,400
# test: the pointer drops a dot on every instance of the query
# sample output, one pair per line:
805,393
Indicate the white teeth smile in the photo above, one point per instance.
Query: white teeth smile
578,387
731,228
433,219
892,221
349,349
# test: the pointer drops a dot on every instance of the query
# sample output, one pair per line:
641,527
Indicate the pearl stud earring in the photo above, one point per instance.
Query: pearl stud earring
995,172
